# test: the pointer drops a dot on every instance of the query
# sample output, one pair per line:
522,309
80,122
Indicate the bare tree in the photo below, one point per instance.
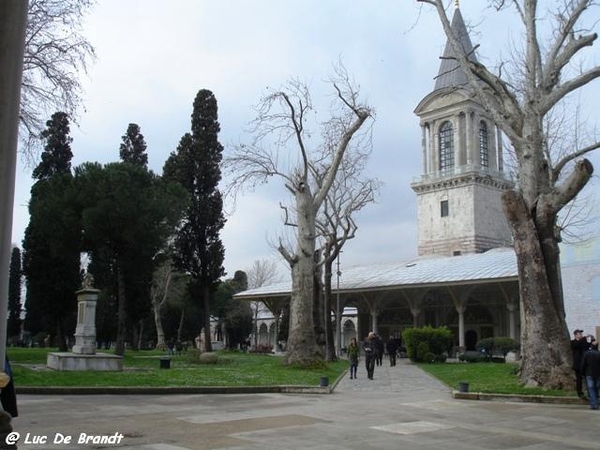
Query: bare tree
349,193
168,286
549,73
262,273
159,291
283,116
55,54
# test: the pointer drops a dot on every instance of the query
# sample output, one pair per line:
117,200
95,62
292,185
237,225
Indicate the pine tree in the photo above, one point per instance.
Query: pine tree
133,148
57,154
196,166
14,294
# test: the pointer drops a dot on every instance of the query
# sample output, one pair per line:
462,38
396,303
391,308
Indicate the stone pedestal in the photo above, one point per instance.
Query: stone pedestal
84,356
85,332
69,361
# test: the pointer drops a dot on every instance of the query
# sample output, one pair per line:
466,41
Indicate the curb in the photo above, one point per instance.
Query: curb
162,390
119,390
518,398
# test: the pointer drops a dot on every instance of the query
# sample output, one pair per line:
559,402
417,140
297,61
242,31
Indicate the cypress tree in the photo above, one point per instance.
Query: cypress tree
14,294
133,148
196,166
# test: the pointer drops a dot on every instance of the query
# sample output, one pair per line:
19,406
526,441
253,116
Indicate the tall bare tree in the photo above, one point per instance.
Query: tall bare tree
549,69
283,116
336,224
55,53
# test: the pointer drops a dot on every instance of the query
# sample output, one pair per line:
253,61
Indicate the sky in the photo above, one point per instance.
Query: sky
153,56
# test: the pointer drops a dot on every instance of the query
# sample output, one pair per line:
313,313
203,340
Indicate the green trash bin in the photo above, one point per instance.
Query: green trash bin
165,363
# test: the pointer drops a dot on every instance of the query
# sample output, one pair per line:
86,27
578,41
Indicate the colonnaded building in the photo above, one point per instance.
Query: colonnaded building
465,275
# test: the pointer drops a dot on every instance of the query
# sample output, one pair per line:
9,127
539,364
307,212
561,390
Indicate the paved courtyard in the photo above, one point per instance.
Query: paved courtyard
402,408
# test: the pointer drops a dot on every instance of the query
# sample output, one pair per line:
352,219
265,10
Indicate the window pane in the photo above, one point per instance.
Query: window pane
444,208
483,145
446,146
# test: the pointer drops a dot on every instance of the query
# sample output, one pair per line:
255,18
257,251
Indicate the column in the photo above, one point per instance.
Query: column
461,325
469,136
512,319
424,147
499,149
374,313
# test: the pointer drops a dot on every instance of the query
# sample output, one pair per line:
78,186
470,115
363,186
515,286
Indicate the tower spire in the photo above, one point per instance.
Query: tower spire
456,4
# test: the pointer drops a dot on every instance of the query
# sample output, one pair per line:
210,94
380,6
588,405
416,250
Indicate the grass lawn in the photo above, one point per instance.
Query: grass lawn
141,368
495,378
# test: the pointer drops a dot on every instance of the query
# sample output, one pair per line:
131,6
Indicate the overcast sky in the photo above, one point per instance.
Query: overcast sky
155,55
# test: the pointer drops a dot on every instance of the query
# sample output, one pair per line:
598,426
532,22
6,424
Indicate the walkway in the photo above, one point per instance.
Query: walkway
401,408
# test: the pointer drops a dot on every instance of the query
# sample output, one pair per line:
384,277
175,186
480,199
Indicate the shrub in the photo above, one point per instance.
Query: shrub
492,346
262,348
438,342
422,351
209,358
469,357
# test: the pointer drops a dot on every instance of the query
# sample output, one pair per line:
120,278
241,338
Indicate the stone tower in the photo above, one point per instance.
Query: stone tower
458,193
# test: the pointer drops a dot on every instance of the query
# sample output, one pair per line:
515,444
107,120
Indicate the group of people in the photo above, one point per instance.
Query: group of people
374,348
586,364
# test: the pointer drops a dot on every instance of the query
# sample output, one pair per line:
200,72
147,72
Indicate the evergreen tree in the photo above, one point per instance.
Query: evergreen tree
57,154
51,246
133,148
14,294
128,215
196,166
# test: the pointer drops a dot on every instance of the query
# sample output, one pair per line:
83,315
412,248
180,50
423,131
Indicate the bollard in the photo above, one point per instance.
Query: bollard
463,386
324,382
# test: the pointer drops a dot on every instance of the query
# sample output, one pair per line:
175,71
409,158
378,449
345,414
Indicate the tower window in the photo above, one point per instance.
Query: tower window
444,208
446,146
484,159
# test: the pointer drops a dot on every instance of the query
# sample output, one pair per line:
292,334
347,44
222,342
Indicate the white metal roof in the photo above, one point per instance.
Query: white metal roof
496,264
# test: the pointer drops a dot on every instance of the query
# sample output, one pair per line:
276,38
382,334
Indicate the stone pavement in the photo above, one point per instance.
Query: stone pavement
402,408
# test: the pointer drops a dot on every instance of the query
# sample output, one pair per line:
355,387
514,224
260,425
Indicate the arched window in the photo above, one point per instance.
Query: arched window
446,146
484,158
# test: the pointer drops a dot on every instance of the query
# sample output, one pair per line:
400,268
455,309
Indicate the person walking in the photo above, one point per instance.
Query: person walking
370,349
590,369
579,345
392,349
380,349
353,354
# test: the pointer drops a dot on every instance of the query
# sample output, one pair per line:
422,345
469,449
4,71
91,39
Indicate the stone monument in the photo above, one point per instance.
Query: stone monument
84,356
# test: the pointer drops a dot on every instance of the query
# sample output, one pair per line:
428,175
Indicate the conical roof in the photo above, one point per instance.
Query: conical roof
451,75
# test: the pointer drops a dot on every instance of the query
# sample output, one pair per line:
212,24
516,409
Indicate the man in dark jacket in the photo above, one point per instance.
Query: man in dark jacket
590,368
370,349
579,345
392,350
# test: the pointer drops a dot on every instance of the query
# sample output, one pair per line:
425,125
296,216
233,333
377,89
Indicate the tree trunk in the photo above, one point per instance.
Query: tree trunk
331,349
160,332
206,302
140,335
302,349
181,321
319,304
122,313
545,360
